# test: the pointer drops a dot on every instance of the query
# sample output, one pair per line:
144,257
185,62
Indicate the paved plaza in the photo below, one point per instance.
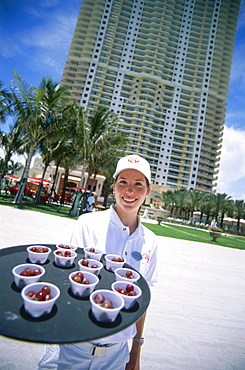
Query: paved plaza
196,319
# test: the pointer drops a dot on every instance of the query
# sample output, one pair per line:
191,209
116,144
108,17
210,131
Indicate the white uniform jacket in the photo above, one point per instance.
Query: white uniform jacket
105,231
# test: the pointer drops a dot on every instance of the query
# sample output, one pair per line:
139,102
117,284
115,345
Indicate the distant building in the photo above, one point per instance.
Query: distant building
164,67
93,184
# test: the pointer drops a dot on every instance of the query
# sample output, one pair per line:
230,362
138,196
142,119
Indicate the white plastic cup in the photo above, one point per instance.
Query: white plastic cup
83,290
39,308
103,314
96,255
120,274
129,301
22,281
63,261
38,257
66,247
91,262
113,265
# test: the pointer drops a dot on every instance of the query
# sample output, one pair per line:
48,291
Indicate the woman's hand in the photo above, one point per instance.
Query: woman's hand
134,357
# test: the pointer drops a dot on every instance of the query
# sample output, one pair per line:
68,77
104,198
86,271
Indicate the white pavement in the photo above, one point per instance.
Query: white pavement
196,319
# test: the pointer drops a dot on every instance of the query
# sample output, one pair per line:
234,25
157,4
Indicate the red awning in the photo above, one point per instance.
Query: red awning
76,187
12,177
37,180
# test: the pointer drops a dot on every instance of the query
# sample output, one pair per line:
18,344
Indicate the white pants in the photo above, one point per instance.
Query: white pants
78,357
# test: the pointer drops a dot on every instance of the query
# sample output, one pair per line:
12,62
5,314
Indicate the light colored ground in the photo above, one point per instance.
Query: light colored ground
196,319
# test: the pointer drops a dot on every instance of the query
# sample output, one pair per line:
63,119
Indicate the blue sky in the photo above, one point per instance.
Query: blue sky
35,36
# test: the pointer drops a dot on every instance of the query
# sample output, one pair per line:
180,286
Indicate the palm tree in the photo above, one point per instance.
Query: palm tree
220,205
14,167
94,136
180,196
239,206
46,154
206,206
37,110
101,160
106,161
63,150
227,206
194,200
69,162
5,102
54,145
109,171
168,198
11,143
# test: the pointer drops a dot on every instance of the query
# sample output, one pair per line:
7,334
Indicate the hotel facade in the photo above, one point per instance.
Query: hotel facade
164,68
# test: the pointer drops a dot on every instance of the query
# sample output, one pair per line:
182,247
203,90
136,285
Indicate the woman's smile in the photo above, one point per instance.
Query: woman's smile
128,200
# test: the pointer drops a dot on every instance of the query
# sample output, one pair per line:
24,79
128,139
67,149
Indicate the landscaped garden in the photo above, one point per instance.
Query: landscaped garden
164,229
54,209
196,235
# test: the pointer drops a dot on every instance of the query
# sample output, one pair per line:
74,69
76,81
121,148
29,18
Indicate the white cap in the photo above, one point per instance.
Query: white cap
133,162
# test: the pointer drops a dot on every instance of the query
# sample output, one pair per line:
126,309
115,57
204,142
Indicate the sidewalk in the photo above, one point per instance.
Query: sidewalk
196,319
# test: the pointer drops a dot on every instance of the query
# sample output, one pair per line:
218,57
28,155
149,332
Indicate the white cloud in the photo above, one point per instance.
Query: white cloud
236,95
8,48
44,42
241,19
50,38
48,3
54,32
50,42
238,67
232,164
51,62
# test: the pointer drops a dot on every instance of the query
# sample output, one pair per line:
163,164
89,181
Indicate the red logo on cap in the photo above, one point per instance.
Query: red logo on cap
133,160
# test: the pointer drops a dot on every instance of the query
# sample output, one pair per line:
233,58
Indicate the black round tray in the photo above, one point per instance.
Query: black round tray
71,319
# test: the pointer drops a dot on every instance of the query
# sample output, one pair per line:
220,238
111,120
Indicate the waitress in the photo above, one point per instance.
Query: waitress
117,230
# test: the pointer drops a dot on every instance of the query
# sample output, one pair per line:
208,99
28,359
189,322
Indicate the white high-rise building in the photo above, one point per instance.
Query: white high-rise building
164,67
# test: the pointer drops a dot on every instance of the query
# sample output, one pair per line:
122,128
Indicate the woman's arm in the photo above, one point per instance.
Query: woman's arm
134,360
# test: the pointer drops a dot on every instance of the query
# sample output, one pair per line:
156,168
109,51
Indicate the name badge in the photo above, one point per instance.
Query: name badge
137,255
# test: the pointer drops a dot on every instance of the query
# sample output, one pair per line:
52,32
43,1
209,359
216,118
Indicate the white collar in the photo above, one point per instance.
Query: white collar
116,222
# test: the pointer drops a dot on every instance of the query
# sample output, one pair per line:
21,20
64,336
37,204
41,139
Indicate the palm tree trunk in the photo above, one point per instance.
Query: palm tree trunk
74,209
238,224
106,193
94,179
87,181
62,200
222,219
40,186
54,181
20,193
5,165
207,216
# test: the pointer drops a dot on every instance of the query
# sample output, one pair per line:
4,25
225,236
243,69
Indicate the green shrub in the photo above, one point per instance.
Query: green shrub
216,229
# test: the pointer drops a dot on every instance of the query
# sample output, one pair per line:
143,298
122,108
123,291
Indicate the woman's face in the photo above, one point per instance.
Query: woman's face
130,190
